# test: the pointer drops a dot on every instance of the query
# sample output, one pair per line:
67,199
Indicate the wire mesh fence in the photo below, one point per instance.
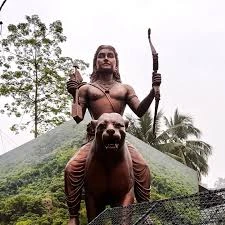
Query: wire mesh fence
198,209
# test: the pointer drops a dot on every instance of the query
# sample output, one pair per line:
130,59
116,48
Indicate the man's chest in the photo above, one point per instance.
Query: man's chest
115,93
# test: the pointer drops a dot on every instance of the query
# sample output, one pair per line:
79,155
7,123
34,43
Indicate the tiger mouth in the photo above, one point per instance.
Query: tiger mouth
111,144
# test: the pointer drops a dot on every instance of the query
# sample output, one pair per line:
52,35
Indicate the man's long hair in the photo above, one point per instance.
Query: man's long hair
116,74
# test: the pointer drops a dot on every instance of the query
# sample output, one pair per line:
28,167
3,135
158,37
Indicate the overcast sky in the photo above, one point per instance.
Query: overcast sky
189,36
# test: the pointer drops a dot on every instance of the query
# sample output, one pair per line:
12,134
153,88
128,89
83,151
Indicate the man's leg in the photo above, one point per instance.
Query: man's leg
74,182
141,174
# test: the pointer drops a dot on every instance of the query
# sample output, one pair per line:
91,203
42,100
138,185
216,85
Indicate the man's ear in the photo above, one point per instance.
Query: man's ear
94,124
126,122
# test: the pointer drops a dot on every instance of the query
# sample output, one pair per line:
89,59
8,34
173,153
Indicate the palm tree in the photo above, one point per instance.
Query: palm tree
142,127
175,140
193,152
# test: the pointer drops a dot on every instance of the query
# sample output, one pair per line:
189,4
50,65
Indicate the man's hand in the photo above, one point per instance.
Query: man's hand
72,84
156,79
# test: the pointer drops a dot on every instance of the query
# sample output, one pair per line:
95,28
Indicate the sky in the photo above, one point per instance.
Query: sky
188,35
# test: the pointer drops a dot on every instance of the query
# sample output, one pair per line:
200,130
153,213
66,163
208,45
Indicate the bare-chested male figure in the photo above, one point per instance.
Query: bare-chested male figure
105,94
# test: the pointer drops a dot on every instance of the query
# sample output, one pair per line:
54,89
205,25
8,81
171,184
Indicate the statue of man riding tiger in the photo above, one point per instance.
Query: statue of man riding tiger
106,94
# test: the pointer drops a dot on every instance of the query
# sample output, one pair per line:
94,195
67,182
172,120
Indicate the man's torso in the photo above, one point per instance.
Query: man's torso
98,103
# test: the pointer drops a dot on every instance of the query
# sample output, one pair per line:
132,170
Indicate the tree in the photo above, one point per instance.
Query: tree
33,74
175,139
193,152
142,127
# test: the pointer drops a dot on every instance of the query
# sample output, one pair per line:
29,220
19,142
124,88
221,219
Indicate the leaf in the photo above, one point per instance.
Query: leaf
174,141
34,74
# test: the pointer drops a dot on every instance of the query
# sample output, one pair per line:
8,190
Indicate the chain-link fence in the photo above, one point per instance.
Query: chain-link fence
198,209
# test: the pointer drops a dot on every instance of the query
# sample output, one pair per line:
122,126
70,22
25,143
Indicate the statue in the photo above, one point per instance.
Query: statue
109,178
105,94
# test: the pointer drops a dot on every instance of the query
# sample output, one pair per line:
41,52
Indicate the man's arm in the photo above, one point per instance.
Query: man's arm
83,97
139,108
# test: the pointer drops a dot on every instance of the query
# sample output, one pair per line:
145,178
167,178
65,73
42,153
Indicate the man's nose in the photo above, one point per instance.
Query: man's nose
110,131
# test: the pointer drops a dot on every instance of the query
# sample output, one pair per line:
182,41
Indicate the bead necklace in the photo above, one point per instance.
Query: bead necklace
106,85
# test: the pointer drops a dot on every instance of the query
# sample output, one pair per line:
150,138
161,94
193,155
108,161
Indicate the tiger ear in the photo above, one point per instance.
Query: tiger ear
126,122
94,123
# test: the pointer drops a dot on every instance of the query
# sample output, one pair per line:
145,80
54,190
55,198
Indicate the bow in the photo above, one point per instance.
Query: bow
155,86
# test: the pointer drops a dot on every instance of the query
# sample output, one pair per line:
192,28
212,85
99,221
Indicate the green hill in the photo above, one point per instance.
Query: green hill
31,176
41,148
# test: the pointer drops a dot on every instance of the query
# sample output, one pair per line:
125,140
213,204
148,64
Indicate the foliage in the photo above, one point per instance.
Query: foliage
39,187
193,152
142,127
33,74
163,188
35,195
174,141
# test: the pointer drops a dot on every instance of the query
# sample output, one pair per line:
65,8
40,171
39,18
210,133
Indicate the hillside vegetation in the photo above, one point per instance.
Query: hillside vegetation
32,186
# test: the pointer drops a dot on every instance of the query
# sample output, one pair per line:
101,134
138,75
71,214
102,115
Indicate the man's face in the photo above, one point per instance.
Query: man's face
106,60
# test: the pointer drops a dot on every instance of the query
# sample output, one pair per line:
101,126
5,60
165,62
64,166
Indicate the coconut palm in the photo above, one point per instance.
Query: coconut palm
181,126
175,139
189,148
142,127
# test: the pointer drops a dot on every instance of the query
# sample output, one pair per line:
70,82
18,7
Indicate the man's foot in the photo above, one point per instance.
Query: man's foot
73,221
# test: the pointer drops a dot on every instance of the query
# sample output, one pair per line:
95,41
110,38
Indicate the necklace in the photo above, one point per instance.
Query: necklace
106,85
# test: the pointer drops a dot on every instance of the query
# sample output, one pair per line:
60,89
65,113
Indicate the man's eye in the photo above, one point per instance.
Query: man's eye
101,55
110,55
